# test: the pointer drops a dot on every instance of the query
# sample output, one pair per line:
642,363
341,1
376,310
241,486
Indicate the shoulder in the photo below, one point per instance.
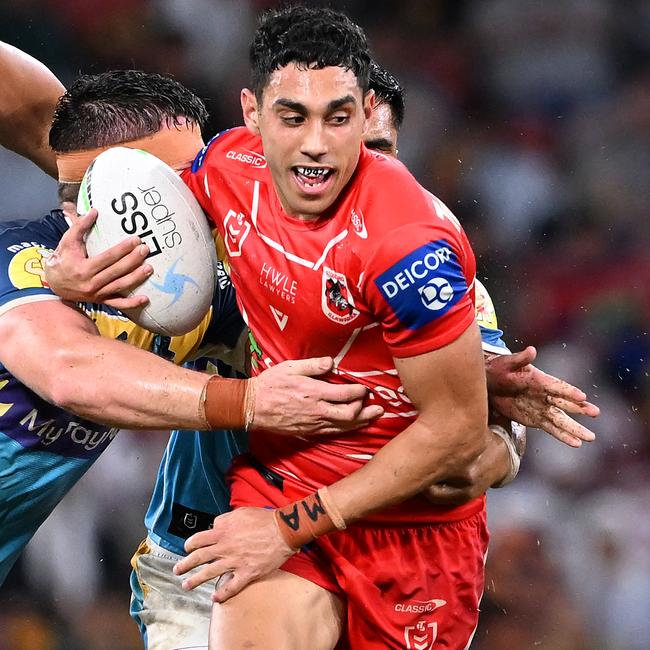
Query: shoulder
398,210
46,231
412,236
23,246
375,166
235,150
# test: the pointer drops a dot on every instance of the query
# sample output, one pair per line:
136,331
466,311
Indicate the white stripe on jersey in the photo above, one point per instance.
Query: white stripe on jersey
292,257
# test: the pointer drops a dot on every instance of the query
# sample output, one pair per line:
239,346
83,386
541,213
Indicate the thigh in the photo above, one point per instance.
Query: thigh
169,618
282,611
411,587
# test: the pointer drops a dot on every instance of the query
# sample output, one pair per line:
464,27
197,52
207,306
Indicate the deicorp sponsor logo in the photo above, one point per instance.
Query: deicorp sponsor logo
414,272
436,293
424,284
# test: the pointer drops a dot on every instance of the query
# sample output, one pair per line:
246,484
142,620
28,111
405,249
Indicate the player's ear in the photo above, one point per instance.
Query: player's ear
368,103
249,110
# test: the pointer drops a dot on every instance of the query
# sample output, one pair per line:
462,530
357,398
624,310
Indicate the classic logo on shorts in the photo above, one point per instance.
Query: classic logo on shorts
423,285
420,636
420,606
248,158
237,229
25,269
336,301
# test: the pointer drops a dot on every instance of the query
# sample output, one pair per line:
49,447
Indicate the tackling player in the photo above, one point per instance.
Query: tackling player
378,272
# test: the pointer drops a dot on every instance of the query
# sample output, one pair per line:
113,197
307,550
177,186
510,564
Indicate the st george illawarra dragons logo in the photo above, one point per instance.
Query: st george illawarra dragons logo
336,301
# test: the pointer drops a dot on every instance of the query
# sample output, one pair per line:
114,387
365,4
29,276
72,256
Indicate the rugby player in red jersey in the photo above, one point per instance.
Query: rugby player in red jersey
336,250
490,469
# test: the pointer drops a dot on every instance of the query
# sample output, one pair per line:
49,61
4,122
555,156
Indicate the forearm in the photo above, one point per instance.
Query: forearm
482,475
407,465
57,352
113,383
447,387
492,466
28,96
489,469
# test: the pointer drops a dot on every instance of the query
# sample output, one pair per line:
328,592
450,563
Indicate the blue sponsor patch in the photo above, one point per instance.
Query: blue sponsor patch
424,285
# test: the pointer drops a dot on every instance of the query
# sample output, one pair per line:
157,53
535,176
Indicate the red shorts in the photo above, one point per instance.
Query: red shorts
404,587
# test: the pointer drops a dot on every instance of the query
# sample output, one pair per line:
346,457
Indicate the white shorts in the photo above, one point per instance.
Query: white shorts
169,618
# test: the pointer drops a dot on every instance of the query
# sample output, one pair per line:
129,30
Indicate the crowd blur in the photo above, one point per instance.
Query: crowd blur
531,120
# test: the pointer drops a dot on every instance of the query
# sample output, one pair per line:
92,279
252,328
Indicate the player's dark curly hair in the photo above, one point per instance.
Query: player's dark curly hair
388,91
105,109
309,37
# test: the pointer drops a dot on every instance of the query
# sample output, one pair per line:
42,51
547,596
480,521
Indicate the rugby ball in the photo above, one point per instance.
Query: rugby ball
136,193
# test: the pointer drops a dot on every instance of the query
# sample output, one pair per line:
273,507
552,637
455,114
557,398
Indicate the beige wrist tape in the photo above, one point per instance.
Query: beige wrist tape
304,520
223,403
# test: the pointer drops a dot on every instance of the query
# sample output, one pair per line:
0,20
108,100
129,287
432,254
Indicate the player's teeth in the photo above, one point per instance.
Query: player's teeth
311,172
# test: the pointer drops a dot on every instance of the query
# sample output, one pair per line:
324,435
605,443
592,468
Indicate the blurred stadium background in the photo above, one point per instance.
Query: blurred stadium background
531,121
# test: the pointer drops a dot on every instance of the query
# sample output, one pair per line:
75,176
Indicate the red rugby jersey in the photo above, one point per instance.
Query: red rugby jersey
388,272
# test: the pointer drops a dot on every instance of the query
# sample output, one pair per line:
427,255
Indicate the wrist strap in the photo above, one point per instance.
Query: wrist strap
304,520
223,403
513,443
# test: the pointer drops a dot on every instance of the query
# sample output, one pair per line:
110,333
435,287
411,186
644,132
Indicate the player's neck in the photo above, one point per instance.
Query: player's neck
290,212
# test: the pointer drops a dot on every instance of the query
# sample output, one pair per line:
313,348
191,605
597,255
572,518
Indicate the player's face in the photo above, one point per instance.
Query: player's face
311,123
381,134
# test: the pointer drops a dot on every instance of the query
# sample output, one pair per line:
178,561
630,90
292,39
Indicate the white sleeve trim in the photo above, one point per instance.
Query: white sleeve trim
25,300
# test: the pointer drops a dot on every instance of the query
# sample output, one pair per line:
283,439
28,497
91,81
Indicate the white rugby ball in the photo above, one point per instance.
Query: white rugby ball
136,193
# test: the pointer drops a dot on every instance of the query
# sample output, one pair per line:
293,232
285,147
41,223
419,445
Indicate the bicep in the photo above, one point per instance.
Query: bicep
447,381
30,334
